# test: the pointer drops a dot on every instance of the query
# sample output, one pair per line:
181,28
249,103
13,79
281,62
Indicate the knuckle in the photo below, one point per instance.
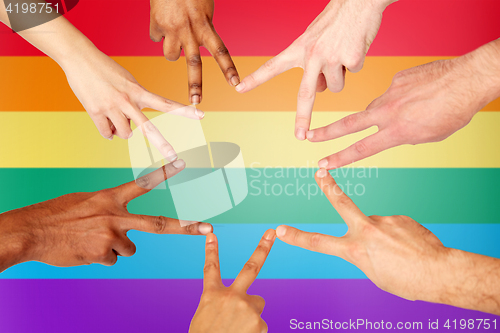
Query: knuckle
264,248
251,267
270,65
143,182
355,252
306,94
343,200
132,249
195,85
398,77
349,122
222,51
230,69
168,103
241,304
361,148
209,266
165,146
194,60
159,224
315,241
191,229
149,127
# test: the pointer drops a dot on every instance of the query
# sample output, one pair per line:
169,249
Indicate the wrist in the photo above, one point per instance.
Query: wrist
80,52
14,246
381,5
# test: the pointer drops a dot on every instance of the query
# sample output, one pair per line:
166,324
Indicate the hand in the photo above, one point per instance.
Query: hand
423,104
84,228
402,257
109,93
231,309
112,97
187,24
337,39
398,254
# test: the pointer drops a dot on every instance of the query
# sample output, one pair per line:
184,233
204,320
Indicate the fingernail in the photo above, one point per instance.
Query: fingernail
171,156
323,164
195,99
321,173
205,228
281,231
269,234
240,87
300,134
130,135
210,238
310,135
200,114
110,138
235,80
179,164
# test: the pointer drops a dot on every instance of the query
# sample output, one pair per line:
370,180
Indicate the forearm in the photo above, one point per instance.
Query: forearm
57,38
470,281
483,66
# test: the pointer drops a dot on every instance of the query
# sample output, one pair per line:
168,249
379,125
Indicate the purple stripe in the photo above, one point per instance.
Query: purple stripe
167,305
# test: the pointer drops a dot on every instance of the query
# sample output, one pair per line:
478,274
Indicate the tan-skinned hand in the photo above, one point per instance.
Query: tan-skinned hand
84,228
230,309
187,25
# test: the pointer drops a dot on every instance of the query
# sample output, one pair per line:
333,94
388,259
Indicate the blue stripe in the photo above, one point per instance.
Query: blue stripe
182,257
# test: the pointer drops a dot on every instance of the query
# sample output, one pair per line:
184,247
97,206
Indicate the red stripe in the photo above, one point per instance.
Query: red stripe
265,27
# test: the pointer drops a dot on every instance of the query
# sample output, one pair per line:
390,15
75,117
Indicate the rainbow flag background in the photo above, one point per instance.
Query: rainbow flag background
49,147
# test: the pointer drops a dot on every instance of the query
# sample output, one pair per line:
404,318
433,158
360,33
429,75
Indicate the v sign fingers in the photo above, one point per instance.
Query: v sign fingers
230,309
131,190
346,208
252,268
211,271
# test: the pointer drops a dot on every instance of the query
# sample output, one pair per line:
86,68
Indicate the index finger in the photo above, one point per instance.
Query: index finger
219,51
305,100
252,268
154,136
271,68
211,271
346,208
131,190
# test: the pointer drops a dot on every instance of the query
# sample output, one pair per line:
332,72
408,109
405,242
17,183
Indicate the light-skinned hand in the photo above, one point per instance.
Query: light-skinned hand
230,309
337,39
402,257
108,92
84,228
424,104
187,25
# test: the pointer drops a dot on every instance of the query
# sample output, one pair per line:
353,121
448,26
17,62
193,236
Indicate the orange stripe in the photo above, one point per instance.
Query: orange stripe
37,84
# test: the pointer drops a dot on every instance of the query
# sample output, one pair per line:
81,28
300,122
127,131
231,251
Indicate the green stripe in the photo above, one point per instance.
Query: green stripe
427,195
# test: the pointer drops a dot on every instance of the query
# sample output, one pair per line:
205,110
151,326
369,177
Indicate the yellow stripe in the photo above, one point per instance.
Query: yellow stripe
70,140
38,84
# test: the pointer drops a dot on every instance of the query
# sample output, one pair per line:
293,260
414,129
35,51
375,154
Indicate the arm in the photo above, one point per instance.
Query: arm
402,257
337,39
231,309
187,25
84,228
424,104
109,93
